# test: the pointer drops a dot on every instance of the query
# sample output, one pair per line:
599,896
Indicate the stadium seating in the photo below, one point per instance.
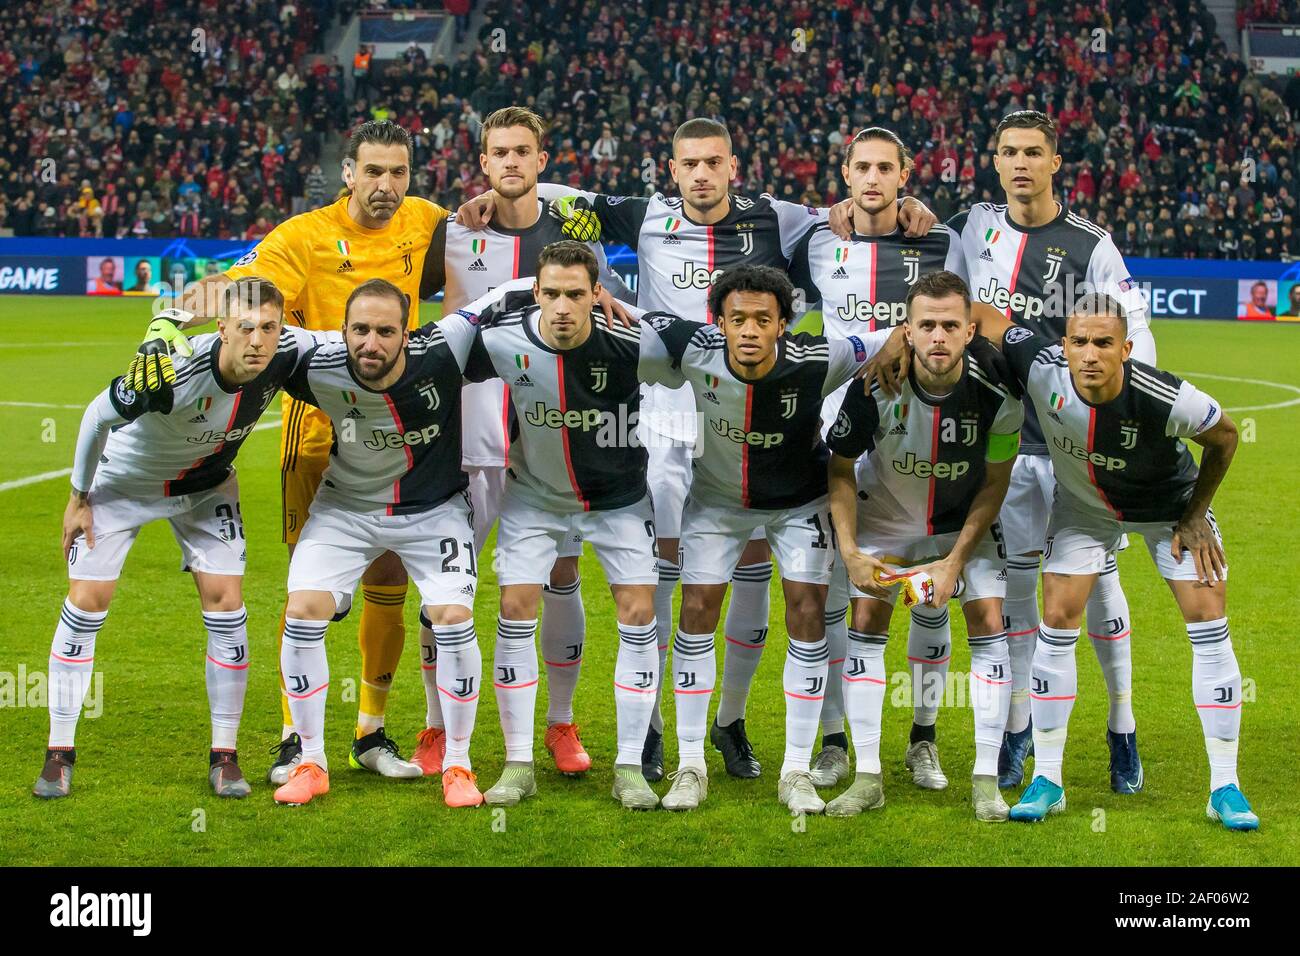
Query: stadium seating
1146,156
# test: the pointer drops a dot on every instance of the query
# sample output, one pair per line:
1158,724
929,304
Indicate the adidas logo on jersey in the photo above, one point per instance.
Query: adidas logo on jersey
987,255
523,381
713,398
355,413
477,266
198,419
468,589
672,241
345,267
839,273
899,429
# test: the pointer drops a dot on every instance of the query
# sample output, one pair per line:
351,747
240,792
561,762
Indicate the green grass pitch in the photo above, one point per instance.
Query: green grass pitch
140,792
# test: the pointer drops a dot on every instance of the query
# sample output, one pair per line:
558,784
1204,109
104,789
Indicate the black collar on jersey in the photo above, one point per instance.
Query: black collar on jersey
1030,230
895,233
1075,388
597,315
505,231
230,388
925,397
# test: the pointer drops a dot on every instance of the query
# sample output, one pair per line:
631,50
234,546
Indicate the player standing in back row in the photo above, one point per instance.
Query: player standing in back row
862,283
683,243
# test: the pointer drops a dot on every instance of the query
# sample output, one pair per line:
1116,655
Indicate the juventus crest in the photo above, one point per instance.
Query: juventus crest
1054,258
1128,435
430,395
789,401
599,377
746,239
911,266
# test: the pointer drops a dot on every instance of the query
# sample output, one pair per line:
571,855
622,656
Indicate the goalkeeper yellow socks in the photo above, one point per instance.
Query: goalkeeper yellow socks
382,636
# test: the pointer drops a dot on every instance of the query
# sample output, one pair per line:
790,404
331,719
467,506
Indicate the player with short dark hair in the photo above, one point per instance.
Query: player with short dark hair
916,481
761,465
1116,429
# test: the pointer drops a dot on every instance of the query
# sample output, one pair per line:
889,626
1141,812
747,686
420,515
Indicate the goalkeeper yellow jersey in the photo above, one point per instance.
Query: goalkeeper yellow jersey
317,258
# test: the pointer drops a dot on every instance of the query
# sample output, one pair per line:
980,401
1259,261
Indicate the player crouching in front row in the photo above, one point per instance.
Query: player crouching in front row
1115,429
937,464
136,463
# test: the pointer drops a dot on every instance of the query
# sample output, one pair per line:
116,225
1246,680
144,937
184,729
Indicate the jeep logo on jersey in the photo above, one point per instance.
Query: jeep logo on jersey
741,437
422,436
613,429
1054,257
911,465
1096,458
695,276
430,395
1128,435
1029,306
235,434
882,313
843,425
599,377
789,400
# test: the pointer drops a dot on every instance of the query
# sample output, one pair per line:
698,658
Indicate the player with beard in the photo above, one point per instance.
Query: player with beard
862,284
683,243
466,264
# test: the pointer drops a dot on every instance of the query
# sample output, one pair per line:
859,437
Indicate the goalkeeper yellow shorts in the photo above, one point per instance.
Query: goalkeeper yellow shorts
305,442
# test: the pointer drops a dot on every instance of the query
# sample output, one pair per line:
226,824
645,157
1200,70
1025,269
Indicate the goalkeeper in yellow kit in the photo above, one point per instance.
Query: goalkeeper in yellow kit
316,259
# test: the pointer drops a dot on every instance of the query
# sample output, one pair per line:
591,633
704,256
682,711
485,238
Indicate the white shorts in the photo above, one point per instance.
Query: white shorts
985,574
483,416
713,539
1078,543
529,540
668,475
207,526
436,547
1028,504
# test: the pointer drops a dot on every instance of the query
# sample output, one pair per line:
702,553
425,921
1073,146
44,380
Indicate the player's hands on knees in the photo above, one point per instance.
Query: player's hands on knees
476,213
862,568
151,368
1196,535
77,520
945,574
915,217
613,309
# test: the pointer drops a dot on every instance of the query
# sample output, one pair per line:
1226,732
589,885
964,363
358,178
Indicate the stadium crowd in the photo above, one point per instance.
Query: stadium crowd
1170,142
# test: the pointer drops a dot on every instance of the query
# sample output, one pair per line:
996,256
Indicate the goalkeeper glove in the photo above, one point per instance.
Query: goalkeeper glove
580,223
151,368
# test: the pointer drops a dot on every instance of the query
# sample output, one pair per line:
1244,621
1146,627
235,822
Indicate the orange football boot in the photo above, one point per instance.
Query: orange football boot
565,745
307,781
430,748
460,788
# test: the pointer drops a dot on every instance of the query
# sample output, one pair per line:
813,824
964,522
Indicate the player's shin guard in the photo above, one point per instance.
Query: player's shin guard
669,572
990,694
1109,630
307,674
381,636
804,682
1055,683
636,681
226,670
864,695
929,649
1020,612
514,676
1216,690
460,665
695,668
564,629
746,636
429,673
72,663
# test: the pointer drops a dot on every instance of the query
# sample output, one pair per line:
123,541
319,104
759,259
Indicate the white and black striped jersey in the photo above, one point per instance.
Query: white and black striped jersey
183,440
1125,458
862,282
678,260
475,263
573,444
925,456
395,451
760,442
1035,275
